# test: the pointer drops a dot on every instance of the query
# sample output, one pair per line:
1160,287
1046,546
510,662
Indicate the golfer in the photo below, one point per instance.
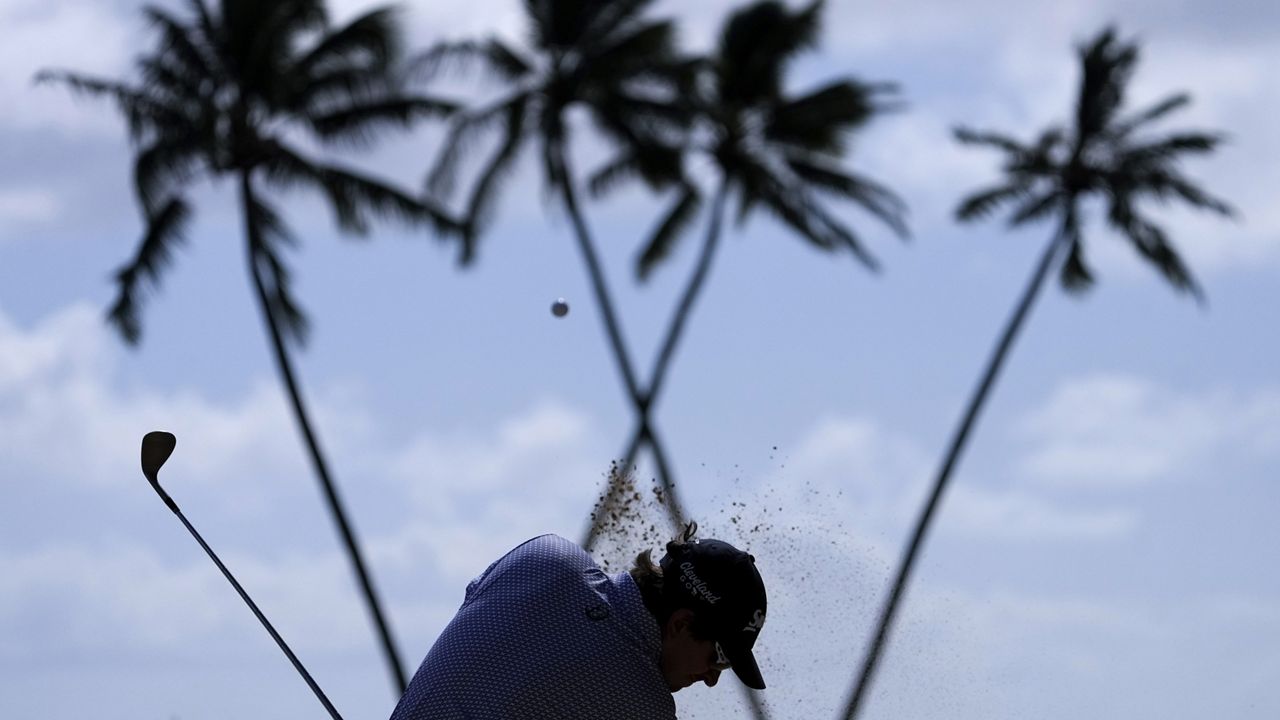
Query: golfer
545,633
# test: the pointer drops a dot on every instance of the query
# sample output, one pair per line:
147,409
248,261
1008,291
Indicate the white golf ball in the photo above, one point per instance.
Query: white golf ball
559,308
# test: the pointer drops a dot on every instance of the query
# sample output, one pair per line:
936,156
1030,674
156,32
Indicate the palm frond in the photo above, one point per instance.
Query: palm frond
182,45
796,220
268,237
1155,247
496,58
748,176
1153,244
1107,65
756,46
205,22
1123,128
1037,207
351,195
1038,162
819,120
1165,184
1075,275
639,53
163,167
357,124
337,87
657,164
370,41
611,18
785,201
272,232
669,231
843,233
1025,162
142,112
641,122
1147,238
1167,149
261,41
543,19
280,301
164,230
608,177
984,202
463,132
570,26
791,202
179,89
870,195
968,136
660,164
484,196
555,174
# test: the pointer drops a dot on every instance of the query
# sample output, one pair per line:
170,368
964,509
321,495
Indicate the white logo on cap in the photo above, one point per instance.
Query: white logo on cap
695,584
757,622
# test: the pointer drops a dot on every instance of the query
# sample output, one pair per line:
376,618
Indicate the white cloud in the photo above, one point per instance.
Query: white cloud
20,207
80,35
1107,431
1018,515
880,478
913,153
121,599
470,497
883,473
103,597
63,416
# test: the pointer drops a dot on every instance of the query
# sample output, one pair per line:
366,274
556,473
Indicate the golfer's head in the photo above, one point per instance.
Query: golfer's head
720,609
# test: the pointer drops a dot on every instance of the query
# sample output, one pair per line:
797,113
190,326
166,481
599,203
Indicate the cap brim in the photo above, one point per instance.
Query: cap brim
744,666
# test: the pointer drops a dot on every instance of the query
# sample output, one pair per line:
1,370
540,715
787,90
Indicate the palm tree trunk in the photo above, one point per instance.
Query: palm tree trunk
1011,331
612,328
675,331
644,430
318,463
691,292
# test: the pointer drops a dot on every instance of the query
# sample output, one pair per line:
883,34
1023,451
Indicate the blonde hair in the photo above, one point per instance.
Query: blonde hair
648,577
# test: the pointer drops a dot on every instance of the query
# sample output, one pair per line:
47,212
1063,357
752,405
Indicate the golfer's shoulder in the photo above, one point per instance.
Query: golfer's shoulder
535,561
549,552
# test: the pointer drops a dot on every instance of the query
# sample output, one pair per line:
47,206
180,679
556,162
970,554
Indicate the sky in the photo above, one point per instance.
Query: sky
1103,550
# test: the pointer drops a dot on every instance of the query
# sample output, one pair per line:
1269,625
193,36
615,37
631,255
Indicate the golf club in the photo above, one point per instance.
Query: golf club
157,446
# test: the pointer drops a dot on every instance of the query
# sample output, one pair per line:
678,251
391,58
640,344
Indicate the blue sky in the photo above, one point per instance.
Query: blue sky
1106,548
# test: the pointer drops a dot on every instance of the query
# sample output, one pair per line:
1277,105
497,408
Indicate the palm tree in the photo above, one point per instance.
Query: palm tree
601,55
1105,156
773,151
228,92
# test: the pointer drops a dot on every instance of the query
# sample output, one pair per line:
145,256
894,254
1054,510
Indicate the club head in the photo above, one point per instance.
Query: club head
157,446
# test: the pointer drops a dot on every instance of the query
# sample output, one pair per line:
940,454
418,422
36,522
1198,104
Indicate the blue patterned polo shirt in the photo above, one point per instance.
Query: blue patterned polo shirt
544,633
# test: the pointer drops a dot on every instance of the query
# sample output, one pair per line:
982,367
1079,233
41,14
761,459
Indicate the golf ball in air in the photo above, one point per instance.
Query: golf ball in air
559,308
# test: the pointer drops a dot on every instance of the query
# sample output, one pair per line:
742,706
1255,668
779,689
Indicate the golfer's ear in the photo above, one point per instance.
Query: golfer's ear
680,621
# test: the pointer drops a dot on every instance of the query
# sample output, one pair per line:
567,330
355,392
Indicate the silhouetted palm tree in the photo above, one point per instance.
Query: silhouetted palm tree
773,151
229,92
1104,155
601,55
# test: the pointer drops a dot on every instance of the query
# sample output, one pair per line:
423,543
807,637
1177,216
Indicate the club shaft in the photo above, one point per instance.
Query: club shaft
333,712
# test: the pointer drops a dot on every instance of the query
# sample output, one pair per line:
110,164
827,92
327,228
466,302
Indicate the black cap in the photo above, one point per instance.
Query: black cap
721,585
